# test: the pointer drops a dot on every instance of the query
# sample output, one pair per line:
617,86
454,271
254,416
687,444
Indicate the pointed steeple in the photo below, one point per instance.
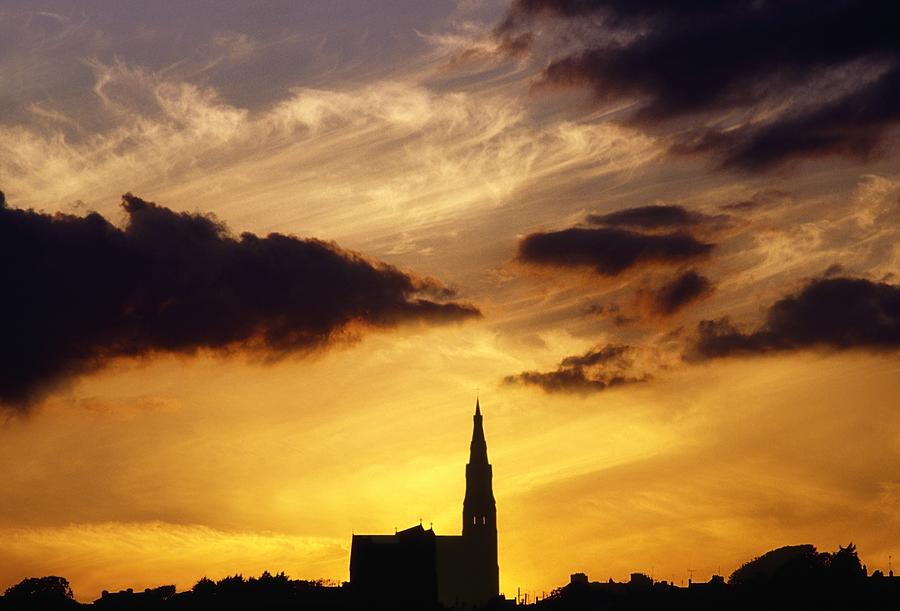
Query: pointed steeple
479,528
479,501
478,447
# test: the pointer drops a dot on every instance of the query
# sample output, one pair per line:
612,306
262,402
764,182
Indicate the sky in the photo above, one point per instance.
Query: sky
261,257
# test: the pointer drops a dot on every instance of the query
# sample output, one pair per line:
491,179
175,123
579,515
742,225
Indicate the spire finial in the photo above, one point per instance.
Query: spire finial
477,406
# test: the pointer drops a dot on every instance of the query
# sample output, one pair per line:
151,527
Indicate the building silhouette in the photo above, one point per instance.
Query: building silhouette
416,567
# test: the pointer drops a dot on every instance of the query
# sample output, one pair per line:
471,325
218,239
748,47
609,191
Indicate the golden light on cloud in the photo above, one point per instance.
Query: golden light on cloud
397,151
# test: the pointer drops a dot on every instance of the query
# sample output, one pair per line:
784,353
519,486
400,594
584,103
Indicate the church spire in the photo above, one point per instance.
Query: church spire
478,506
479,529
478,447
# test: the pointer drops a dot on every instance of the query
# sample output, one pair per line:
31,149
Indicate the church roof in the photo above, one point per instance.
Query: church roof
417,531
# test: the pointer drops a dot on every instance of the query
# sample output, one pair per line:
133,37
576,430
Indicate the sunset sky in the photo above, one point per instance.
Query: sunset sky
661,241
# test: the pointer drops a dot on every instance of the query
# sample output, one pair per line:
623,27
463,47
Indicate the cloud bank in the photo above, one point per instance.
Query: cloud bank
836,313
776,81
81,292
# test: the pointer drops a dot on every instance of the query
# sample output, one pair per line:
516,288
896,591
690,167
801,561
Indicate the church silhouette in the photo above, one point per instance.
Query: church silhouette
416,567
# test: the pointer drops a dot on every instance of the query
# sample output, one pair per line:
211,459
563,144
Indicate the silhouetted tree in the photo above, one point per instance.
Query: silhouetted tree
786,562
793,578
844,564
49,592
204,588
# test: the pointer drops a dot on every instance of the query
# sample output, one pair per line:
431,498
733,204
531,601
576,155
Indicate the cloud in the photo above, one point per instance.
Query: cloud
597,369
777,81
851,125
610,353
609,251
621,9
81,292
838,313
440,155
687,287
760,199
649,217
569,379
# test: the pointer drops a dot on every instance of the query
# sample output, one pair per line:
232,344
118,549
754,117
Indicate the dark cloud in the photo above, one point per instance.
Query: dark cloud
610,251
852,126
79,292
830,68
687,287
654,216
837,313
607,354
622,9
596,370
573,379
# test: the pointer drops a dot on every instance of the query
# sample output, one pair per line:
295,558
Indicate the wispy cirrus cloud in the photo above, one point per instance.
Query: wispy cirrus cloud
382,154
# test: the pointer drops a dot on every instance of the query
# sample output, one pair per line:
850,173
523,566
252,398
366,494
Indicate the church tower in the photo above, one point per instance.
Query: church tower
480,517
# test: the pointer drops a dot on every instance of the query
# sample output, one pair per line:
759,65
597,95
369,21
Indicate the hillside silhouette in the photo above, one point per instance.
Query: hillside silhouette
791,578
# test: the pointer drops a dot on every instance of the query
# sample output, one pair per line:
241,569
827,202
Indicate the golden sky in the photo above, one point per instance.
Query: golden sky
487,160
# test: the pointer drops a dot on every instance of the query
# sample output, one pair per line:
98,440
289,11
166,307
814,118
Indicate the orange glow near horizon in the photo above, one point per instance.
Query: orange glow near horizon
634,484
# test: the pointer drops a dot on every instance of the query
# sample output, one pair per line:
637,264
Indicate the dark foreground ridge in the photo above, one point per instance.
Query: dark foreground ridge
796,577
